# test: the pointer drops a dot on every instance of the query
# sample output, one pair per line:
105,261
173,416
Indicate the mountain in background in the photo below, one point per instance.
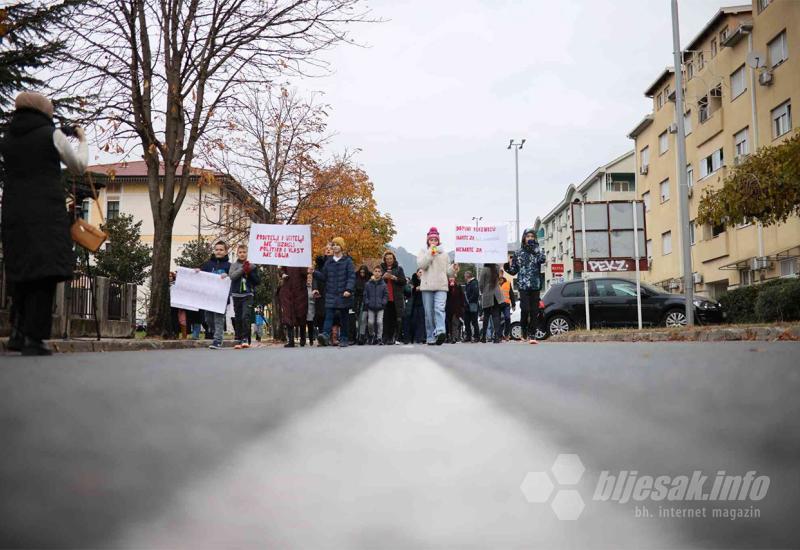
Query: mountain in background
406,259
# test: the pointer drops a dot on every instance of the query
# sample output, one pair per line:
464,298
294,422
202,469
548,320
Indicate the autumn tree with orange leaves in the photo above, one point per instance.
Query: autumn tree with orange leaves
341,204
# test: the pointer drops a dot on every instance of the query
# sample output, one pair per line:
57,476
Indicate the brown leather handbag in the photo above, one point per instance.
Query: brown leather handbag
85,234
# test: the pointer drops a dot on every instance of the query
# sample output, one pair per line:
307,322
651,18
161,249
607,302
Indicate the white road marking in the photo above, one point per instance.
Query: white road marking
404,456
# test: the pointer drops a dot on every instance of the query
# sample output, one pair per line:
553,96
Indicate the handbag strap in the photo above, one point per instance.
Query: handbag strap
94,194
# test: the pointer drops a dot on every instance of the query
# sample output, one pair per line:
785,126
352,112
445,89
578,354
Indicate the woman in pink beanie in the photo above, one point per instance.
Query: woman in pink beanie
436,269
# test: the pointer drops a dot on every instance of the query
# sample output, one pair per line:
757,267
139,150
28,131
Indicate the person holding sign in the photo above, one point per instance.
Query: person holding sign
435,265
339,276
527,264
244,280
219,264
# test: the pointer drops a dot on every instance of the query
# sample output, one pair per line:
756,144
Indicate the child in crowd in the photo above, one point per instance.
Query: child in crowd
376,296
244,280
260,322
339,276
456,304
219,265
362,277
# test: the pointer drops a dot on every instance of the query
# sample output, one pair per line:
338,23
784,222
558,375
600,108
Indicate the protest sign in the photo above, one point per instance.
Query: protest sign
288,245
486,244
194,290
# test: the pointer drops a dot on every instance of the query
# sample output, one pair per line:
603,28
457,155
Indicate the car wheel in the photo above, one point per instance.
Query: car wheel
516,331
558,325
540,334
675,318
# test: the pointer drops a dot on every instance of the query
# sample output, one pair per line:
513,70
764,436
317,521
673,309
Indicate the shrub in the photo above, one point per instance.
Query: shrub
740,304
779,301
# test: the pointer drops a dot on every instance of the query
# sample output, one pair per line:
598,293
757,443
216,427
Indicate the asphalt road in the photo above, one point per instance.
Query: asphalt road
401,447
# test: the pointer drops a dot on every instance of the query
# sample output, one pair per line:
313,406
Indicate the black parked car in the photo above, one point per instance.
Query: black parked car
612,303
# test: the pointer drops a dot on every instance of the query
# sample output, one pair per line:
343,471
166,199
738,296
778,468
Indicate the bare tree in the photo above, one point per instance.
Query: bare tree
271,146
163,73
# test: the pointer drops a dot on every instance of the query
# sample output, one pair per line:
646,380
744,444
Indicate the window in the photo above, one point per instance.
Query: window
573,290
659,103
700,61
690,69
648,247
645,158
619,289
702,105
762,5
789,267
778,51
687,122
746,277
744,223
689,176
723,34
781,119
664,190
619,183
646,199
738,85
717,230
663,143
666,93
711,163
714,47
666,243
86,205
112,210
561,246
691,232
740,142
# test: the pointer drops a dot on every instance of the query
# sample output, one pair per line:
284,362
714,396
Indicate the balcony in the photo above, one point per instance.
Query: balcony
710,128
712,248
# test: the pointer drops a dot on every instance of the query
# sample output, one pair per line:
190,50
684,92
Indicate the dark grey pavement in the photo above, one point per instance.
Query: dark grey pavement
391,447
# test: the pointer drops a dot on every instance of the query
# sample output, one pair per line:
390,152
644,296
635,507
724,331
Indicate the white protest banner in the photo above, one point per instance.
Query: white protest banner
200,290
481,245
288,245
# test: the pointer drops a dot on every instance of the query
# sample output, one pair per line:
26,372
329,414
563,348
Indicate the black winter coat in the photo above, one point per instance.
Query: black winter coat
339,277
399,284
35,222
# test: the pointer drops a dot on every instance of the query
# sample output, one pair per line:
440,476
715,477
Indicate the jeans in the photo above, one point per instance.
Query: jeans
363,319
241,311
492,312
531,315
375,323
434,302
506,313
216,321
196,327
344,318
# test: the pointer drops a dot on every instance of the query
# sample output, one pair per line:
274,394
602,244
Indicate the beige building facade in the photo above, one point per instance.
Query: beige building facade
610,182
731,110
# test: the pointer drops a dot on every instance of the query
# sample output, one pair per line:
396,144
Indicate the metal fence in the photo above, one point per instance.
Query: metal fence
119,301
81,302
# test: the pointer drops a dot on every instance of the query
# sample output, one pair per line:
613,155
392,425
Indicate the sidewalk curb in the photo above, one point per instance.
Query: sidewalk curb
106,345
705,334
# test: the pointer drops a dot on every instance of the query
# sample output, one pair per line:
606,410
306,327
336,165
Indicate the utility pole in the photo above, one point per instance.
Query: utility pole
683,189
517,147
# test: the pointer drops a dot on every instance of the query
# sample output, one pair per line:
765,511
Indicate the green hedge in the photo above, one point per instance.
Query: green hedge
777,300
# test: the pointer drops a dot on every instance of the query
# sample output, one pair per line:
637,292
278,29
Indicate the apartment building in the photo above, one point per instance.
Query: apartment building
612,181
731,109
214,207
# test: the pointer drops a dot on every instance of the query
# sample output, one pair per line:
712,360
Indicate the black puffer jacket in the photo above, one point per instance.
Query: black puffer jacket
35,222
339,276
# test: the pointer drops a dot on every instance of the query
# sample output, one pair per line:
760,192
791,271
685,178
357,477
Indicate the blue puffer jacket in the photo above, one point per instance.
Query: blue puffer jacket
527,264
338,277
376,295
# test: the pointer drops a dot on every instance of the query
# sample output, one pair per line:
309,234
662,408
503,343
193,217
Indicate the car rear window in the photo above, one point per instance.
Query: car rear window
572,290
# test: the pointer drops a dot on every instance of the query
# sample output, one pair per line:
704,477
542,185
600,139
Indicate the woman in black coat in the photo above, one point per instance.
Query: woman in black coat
37,247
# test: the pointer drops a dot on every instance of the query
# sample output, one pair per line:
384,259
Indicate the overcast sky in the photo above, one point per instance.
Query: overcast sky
444,84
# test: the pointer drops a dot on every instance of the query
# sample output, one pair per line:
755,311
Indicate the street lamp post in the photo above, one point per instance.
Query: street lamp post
683,189
517,147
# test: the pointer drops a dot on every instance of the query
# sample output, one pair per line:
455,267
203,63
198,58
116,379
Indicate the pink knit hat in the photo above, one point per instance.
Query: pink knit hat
433,232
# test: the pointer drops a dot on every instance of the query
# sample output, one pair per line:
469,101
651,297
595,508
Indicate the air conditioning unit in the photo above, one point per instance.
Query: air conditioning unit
759,263
697,277
643,171
673,128
765,78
